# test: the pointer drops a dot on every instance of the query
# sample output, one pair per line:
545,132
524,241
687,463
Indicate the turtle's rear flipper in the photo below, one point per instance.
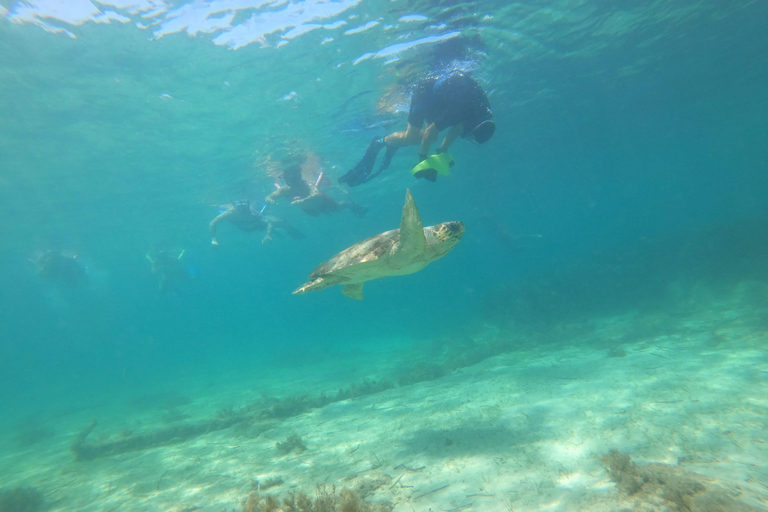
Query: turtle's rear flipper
353,291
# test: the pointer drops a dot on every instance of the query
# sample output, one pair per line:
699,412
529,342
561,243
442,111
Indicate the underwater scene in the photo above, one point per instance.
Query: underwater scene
383,255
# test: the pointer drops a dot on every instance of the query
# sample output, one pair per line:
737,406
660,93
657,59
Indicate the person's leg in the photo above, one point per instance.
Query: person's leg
411,136
361,172
419,110
285,226
293,232
358,210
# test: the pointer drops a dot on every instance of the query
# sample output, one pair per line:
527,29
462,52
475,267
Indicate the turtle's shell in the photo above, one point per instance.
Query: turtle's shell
369,250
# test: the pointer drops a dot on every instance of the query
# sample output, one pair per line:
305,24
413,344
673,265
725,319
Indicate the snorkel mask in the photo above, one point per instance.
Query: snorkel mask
483,132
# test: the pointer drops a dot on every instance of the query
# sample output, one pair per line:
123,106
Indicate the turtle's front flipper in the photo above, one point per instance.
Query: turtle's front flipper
353,291
412,239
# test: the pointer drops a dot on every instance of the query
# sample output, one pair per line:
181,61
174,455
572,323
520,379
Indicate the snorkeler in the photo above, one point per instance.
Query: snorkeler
58,267
168,266
305,193
245,217
454,100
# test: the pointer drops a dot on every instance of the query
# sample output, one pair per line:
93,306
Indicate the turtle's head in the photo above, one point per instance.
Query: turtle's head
453,230
445,236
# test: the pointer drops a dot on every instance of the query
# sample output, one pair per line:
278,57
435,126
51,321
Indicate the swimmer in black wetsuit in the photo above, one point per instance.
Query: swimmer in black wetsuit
167,264
455,100
244,216
305,193
59,267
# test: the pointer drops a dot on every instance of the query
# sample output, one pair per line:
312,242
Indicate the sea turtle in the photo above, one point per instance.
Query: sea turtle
392,253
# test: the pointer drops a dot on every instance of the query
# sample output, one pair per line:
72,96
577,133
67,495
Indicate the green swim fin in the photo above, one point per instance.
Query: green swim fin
432,166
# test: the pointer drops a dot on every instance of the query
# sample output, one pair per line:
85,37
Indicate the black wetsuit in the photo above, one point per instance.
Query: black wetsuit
448,101
247,219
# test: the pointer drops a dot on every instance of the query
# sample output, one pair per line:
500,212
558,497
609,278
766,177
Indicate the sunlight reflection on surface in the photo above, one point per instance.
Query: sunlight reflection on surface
231,23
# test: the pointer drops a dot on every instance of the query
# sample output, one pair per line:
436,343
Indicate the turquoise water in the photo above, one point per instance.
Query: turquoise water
628,173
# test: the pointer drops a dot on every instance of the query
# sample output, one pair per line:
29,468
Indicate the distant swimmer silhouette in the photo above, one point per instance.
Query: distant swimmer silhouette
59,267
392,253
301,186
245,217
167,264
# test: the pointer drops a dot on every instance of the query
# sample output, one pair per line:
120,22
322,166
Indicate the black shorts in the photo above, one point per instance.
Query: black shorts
448,101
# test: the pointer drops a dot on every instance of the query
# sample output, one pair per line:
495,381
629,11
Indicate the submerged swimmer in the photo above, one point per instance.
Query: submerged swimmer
245,217
59,267
168,266
305,193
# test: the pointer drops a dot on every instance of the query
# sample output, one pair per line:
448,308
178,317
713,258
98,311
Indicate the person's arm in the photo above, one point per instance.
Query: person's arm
215,222
313,192
281,191
451,136
270,227
429,135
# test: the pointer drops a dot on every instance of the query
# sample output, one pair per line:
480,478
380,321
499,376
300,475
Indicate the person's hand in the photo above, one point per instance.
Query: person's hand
266,240
270,200
214,242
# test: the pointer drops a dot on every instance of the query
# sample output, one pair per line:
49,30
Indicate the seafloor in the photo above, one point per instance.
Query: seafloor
544,422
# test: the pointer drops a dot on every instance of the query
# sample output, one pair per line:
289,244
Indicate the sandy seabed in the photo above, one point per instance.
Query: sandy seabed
528,430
